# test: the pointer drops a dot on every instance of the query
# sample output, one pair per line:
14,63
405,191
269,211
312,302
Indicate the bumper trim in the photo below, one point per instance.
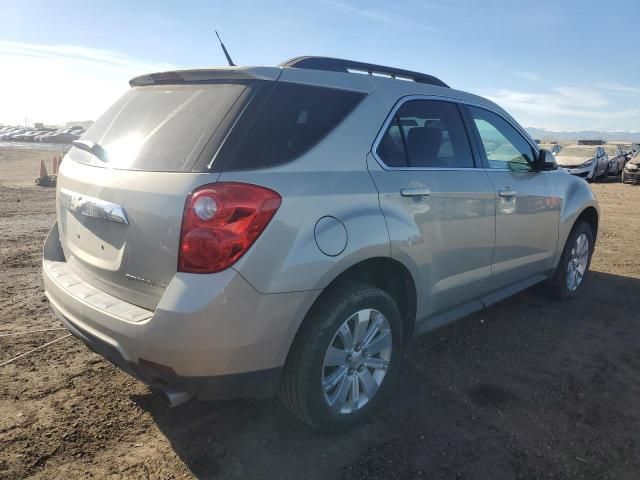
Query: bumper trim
73,285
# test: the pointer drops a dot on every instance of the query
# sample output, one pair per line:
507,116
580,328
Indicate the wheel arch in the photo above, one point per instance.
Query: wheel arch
590,216
578,204
384,273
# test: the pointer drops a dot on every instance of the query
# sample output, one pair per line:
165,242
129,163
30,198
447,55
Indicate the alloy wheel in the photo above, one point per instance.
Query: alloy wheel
357,361
577,265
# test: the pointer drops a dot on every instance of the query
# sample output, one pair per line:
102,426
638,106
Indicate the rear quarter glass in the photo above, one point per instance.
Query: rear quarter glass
164,127
282,123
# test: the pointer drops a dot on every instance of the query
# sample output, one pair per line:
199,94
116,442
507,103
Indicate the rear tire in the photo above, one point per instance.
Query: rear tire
327,363
573,267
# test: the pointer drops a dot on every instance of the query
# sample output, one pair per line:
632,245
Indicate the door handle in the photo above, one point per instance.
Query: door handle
415,192
507,192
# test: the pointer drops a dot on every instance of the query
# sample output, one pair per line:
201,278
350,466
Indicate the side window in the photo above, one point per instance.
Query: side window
293,119
504,146
426,134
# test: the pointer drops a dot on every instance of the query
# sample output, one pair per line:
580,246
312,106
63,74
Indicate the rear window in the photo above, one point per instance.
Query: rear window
284,124
161,128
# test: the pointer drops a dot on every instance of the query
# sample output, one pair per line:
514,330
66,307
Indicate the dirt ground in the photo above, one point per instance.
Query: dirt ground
529,388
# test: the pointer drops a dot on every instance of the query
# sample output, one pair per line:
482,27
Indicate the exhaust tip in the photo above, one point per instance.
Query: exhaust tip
177,398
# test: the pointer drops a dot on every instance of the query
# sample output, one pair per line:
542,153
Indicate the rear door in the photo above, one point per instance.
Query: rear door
439,207
527,204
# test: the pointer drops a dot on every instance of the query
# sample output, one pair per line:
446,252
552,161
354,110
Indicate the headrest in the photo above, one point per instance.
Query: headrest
423,144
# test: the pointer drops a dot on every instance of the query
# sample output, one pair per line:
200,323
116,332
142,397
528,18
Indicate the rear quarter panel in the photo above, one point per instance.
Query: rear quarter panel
331,179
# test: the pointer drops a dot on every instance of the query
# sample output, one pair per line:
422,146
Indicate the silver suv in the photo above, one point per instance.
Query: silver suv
242,232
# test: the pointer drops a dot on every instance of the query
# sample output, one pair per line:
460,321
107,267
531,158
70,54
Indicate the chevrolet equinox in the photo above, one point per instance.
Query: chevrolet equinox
247,232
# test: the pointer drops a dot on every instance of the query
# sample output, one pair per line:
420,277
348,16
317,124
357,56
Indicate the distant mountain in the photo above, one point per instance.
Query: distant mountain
544,134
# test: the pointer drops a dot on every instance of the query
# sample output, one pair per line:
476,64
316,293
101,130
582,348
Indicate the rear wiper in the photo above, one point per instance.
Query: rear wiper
93,148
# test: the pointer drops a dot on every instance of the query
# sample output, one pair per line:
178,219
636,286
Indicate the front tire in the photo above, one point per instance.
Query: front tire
573,267
345,358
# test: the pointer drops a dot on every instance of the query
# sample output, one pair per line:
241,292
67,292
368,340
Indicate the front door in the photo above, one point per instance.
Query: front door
439,208
527,203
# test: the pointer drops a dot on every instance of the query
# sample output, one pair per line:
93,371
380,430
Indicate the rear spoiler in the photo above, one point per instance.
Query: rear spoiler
211,75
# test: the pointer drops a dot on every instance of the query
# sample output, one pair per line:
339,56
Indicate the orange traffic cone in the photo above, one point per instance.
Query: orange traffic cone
43,170
54,166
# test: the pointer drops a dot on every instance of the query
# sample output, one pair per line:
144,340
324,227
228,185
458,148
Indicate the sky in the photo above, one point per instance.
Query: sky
560,65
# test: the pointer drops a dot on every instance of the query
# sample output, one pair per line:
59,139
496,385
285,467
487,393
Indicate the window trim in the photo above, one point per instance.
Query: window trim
461,104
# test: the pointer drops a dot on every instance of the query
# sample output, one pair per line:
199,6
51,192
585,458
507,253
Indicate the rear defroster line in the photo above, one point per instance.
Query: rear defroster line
34,350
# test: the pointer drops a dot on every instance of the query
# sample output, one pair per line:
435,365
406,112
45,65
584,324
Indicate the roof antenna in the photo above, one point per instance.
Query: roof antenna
224,49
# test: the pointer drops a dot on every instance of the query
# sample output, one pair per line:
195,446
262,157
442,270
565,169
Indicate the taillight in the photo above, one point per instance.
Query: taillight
220,222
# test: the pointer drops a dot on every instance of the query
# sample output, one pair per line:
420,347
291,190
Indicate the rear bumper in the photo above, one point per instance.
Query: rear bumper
257,384
631,177
213,336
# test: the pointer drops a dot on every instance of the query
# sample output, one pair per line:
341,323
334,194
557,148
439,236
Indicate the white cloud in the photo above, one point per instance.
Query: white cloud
620,88
566,107
530,76
59,83
379,16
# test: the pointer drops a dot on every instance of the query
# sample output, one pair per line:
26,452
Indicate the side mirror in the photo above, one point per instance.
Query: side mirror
546,161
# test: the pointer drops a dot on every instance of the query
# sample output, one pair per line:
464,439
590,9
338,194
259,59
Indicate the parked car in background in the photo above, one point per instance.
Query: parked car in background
552,147
617,159
67,135
44,134
5,132
313,221
24,136
14,134
631,171
62,137
588,162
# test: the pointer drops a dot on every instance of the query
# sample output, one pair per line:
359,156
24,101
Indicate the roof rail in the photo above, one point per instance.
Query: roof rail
349,66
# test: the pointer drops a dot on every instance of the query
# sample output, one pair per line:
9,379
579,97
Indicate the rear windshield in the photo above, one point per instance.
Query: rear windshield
161,128
283,124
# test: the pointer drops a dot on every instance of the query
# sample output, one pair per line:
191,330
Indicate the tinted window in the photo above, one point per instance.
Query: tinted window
503,145
162,128
426,134
290,121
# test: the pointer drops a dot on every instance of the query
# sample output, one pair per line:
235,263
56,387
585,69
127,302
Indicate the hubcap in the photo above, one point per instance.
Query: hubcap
356,361
577,266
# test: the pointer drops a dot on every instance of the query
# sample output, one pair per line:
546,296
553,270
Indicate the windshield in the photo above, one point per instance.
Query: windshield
577,152
161,128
